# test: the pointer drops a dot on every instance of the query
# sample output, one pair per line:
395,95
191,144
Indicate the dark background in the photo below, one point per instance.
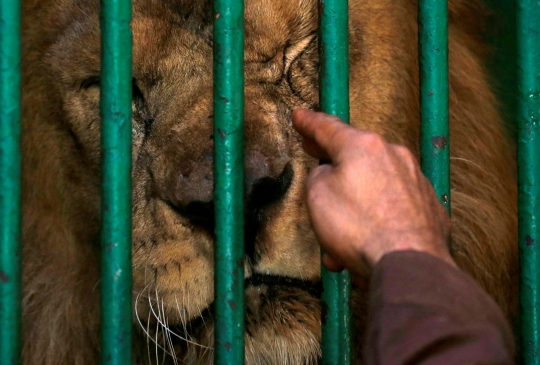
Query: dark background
500,33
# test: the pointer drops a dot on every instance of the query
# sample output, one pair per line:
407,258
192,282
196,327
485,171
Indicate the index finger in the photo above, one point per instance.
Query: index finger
327,131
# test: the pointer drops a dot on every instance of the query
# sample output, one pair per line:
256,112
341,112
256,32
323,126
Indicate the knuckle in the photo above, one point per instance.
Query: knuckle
372,141
407,155
408,158
349,169
404,152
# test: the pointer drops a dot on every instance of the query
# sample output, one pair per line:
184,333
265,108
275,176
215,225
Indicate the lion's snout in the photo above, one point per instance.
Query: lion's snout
266,182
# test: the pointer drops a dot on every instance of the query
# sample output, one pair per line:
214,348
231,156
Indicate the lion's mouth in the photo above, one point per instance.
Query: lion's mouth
277,281
259,290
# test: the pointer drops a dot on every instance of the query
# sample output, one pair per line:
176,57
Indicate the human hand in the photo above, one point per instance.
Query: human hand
372,199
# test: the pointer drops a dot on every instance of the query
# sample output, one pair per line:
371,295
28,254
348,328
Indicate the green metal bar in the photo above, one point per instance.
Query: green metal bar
116,277
528,118
433,57
10,180
334,99
229,180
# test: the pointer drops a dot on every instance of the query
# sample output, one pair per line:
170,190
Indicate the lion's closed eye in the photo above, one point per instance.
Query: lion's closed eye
301,68
89,82
141,112
295,51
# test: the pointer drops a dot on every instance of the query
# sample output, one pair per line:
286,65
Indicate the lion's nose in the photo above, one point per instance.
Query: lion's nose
264,193
265,182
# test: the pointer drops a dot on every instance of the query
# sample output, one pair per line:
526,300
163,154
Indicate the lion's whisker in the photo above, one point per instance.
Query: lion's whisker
167,341
169,338
146,331
183,320
160,319
174,333
147,336
156,342
163,345
187,306
181,312
202,317
140,323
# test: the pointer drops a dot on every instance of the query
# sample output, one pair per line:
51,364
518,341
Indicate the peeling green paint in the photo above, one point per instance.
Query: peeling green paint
434,131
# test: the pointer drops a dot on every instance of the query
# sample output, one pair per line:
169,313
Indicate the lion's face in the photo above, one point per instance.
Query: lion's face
173,243
172,170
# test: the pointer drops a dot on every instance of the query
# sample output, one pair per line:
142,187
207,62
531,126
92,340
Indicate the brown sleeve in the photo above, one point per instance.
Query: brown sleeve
424,311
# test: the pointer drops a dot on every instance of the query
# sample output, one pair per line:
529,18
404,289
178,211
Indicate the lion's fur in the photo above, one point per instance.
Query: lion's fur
172,65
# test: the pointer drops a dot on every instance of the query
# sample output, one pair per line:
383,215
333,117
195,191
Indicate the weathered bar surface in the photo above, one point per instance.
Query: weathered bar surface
528,118
433,58
334,99
10,179
116,91
229,180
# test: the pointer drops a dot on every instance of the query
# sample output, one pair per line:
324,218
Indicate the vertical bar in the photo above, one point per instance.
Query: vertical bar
528,26
434,132
10,179
229,180
334,99
116,277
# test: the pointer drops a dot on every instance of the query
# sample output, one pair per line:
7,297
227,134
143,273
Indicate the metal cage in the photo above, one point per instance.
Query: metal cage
116,317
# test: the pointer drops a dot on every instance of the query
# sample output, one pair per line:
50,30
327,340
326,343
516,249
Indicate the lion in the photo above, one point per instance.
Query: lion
173,178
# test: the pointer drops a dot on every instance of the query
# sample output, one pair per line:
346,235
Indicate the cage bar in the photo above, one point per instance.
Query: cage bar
334,99
434,131
10,182
528,22
229,181
115,105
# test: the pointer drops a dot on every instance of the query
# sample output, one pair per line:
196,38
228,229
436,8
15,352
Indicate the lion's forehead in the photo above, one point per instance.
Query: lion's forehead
164,36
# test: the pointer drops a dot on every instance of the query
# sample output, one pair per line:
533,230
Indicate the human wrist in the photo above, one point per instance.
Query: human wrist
434,247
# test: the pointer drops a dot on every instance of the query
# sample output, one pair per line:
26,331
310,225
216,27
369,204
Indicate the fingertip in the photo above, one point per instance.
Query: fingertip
302,110
299,115
321,128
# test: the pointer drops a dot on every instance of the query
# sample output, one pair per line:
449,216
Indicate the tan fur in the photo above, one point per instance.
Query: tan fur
172,166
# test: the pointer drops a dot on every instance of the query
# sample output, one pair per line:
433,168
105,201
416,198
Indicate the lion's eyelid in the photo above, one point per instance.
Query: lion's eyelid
90,82
293,52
